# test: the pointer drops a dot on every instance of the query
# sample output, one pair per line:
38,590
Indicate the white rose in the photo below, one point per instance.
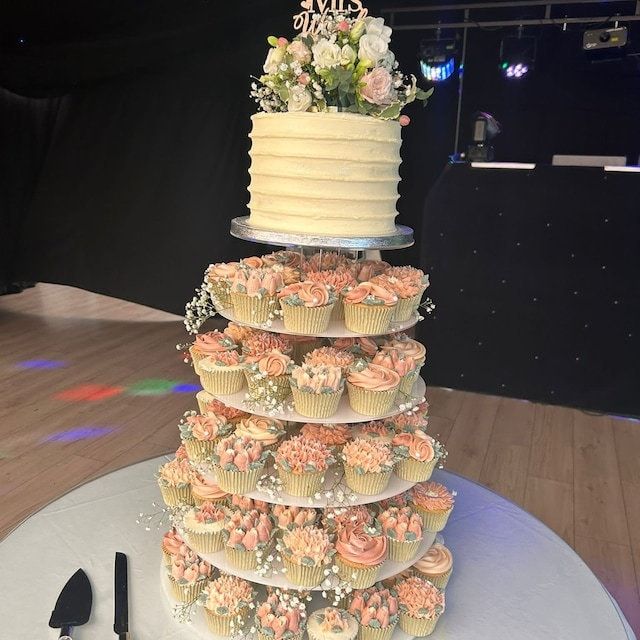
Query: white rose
348,56
274,59
299,99
326,55
300,52
372,48
377,27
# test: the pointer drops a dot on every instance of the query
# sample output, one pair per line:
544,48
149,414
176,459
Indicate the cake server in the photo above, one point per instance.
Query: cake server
73,606
121,597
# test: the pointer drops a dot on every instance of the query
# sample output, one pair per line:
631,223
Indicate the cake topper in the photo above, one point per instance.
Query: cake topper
308,21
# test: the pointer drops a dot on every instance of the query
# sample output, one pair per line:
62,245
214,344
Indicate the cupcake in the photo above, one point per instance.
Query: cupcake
280,618
306,552
414,280
288,518
218,278
316,390
174,479
334,436
249,504
403,528
408,290
199,434
340,280
211,406
254,294
404,366
367,466
205,489
302,464
209,344
421,605
420,454
181,454
365,270
361,549
333,518
285,258
222,374
171,543
372,389
374,430
302,345
332,624
330,356
408,346
436,565
368,308
362,347
327,261
376,610
238,463
408,421
269,378
227,602
204,526
258,343
188,576
434,503
239,332
266,431
306,307
249,535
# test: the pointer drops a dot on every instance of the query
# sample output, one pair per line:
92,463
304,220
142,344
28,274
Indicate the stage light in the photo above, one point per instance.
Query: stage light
437,59
186,388
517,55
485,129
89,393
40,364
152,387
79,433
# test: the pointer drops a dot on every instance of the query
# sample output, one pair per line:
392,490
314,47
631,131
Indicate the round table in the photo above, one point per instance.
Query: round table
513,578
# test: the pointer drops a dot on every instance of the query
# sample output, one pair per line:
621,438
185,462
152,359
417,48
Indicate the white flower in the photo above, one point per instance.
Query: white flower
348,56
274,59
299,99
372,48
299,51
326,55
388,61
377,27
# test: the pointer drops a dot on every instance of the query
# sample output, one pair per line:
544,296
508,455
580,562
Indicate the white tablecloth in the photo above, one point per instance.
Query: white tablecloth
513,578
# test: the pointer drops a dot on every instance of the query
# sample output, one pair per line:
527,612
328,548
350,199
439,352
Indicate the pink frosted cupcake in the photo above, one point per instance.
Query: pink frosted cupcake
327,261
334,436
421,605
316,390
204,528
188,576
403,528
249,534
404,366
367,269
209,344
205,489
281,618
330,356
361,551
368,465
288,518
420,454
199,434
171,543
372,389
239,332
376,610
238,463
374,430
227,601
249,504
174,479
434,503
261,342
266,431
415,280
436,565
222,374
208,405
340,280
409,292
269,378
306,307
368,308
254,294
408,421
302,464
219,277
306,553
362,347
408,346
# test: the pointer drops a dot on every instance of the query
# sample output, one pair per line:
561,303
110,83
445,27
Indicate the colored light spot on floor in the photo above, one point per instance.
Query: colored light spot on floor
40,364
186,388
152,387
89,393
79,433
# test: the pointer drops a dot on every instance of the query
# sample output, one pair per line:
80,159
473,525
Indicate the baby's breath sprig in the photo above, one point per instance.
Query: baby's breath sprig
199,309
183,612
159,519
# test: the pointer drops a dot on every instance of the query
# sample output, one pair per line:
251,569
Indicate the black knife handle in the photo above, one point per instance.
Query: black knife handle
65,633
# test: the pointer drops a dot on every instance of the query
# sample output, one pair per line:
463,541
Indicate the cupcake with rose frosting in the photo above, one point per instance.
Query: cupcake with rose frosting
243,503
361,347
199,434
403,528
204,488
334,436
269,378
204,527
408,290
210,344
330,356
238,463
361,549
280,617
219,277
287,518
372,389
420,454
306,552
227,601
332,624
254,293
421,605
249,533
376,610
434,502
209,405
409,347
368,308
368,465
188,575
302,463
174,479
306,307
405,366
374,430
341,280
436,565
316,390
266,431
223,373
171,543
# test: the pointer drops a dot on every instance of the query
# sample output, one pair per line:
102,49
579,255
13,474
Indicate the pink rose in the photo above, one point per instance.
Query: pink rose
378,87
343,26
304,78
300,52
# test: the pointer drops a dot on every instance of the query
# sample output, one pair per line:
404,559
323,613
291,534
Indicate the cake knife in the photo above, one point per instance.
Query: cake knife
121,598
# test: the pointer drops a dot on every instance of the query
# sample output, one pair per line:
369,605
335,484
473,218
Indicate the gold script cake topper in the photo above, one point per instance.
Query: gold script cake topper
308,21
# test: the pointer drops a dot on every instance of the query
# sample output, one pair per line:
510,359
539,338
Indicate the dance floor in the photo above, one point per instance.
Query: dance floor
90,384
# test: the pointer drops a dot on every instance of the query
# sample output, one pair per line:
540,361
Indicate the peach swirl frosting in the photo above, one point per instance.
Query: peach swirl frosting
418,598
418,446
222,272
360,347
307,294
406,345
372,377
282,616
332,435
175,473
257,282
261,342
432,496
401,523
437,561
330,356
204,518
395,360
374,607
213,343
254,262
370,294
374,430
300,455
248,504
327,261
172,541
218,409
368,456
189,568
238,332
293,517
206,488
367,269
267,431
340,279
227,595
404,289
318,379
239,453
248,530
308,546
361,543
204,428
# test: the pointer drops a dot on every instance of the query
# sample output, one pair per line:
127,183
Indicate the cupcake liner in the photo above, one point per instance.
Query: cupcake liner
220,293
199,501
186,593
223,381
406,306
439,580
368,484
238,481
203,397
199,450
358,576
166,556
417,627
306,320
371,403
367,318
241,559
176,496
415,470
301,484
204,542
406,384
264,636
301,575
252,309
403,551
370,633
269,388
337,312
433,521
226,625
196,356
316,405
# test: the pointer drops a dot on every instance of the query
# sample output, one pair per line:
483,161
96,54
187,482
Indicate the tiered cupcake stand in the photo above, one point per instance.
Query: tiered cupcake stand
345,415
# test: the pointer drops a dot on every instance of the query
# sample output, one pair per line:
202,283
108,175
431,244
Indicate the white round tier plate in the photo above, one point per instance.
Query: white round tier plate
336,328
401,239
345,413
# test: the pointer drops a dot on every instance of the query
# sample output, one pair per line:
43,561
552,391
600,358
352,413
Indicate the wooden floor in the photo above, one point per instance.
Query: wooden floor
578,473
